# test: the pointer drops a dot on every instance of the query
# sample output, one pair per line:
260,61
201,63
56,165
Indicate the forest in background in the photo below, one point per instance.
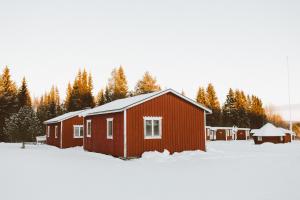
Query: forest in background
22,117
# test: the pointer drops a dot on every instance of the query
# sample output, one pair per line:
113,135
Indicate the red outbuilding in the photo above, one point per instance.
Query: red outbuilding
156,121
65,131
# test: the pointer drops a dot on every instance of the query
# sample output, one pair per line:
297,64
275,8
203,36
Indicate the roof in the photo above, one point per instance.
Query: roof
64,117
286,131
269,130
227,128
123,104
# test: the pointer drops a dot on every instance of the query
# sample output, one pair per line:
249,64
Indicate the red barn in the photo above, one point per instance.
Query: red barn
243,134
65,131
151,122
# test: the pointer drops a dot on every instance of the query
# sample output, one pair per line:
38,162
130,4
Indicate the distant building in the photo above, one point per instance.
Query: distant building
270,133
227,133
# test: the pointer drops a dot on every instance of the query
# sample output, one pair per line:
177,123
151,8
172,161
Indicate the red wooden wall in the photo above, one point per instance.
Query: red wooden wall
67,139
98,141
183,126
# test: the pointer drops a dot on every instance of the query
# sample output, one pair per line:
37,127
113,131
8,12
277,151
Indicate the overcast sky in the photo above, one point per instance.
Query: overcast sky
185,44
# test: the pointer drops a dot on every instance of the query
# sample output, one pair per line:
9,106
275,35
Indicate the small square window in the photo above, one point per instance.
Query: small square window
259,139
152,127
78,131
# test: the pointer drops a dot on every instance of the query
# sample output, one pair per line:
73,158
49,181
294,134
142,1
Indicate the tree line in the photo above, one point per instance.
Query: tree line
21,117
238,109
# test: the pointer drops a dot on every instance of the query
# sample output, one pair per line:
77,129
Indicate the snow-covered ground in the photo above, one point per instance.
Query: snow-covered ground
229,170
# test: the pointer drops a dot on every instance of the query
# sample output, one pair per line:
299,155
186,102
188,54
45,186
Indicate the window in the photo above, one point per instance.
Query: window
259,139
281,138
48,131
109,128
78,131
152,127
88,128
56,132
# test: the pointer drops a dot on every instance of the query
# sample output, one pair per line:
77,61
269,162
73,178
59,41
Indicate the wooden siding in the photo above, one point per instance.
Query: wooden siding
272,139
67,133
98,141
220,134
68,139
241,135
287,138
51,140
183,126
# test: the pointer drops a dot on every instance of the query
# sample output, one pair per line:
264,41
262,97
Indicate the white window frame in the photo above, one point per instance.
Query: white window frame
160,127
56,131
48,131
87,128
259,138
108,120
74,131
281,138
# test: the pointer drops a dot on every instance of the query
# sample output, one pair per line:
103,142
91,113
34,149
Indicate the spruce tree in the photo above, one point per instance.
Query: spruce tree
146,85
213,103
257,113
242,119
8,100
117,85
23,125
229,110
101,98
24,98
201,96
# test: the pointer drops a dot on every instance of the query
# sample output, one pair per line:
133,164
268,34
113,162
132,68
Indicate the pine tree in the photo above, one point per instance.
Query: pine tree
107,95
213,103
117,85
257,113
101,98
8,99
23,125
146,85
201,96
242,119
230,110
79,96
24,98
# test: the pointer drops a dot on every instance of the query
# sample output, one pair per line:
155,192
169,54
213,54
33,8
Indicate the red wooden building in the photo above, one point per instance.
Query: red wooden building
227,133
65,131
151,122
270,133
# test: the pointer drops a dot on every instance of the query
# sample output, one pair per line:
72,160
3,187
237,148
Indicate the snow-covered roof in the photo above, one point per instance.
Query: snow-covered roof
64,117
269,130
243,129
286,131
253,131
223,128
122,104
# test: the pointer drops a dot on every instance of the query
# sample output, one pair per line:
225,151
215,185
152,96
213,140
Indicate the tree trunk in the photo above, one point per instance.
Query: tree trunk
23,145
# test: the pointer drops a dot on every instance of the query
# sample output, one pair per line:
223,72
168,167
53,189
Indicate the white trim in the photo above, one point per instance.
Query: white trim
152,119
259,138
125,133
83,142
55,131
61,131
48,131
87,128
74,132
110,137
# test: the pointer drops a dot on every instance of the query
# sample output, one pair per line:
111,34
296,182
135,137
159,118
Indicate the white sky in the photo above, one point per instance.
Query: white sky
185,44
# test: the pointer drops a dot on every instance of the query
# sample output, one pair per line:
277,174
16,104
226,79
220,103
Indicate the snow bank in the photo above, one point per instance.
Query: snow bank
228,170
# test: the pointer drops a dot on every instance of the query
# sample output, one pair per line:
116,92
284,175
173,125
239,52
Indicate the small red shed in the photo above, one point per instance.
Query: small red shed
150,122
65,131
268,133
